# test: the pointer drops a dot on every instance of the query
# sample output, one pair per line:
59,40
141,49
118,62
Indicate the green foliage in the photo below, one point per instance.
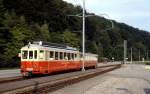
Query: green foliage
45,32
70,39
56,37
22,21
66,37
92,47
18,33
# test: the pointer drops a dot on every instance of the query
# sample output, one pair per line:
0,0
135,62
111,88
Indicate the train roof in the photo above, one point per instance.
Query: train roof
47,45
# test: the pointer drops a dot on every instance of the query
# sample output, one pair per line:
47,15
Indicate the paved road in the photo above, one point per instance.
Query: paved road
130,79
9,73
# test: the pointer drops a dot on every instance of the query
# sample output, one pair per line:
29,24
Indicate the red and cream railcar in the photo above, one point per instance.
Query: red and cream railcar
45,58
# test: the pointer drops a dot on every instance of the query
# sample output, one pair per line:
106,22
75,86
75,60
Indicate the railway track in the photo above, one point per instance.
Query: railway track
10,79
51,83
19,78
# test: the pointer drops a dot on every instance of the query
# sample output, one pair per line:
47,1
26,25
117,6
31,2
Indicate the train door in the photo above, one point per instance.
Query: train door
42,61
47,61
62,62
30,61
33,60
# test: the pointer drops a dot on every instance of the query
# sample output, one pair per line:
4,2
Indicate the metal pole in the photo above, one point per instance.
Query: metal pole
139,55
147,56
83,36
125,50
131,56
83,32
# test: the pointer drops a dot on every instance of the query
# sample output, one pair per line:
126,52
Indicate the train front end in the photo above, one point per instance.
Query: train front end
31,59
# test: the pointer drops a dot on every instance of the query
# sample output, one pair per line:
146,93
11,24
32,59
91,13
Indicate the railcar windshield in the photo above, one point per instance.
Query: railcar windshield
35,54
25,54
31,54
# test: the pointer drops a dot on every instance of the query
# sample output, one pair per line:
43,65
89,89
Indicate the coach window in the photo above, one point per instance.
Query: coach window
30,54
56,55
75,55
35,54
61,55
25,54
51,55
65,56
41,55
72,56
68,55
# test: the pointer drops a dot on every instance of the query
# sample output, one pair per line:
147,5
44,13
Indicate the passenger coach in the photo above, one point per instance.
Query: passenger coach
44,58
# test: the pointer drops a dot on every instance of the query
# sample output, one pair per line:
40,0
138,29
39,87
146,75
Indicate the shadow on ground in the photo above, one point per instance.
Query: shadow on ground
147,90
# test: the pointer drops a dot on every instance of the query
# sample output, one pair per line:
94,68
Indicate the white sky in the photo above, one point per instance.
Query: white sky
132,12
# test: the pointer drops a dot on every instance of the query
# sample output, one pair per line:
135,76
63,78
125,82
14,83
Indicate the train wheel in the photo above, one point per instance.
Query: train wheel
27,74
95,66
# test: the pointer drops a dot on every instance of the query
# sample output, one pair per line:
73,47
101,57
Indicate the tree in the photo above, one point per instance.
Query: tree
45,32
22,21
18,34
70,39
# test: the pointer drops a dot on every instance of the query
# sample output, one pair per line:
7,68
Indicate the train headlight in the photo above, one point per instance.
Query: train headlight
29,69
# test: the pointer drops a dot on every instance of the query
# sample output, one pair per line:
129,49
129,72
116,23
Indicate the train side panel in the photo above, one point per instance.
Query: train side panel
46,67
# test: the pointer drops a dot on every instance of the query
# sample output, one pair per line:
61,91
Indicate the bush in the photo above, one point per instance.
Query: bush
147,63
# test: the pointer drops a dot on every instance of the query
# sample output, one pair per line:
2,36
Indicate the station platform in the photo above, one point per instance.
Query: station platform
129,79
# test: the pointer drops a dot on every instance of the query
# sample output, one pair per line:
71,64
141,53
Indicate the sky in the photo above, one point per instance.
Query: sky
132,12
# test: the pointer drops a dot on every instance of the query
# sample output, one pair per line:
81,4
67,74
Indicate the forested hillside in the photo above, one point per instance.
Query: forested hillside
22,21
